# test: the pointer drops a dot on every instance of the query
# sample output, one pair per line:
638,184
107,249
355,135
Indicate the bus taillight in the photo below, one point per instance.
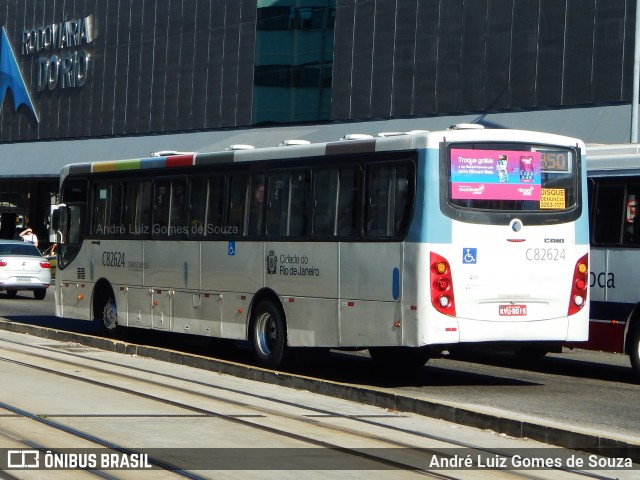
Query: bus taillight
442,286
579,286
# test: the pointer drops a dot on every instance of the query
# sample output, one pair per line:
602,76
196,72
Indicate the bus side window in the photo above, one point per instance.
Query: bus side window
287,204
215,206
107,208
631,220
137,207
324,202
402,203
609,213
388,201
348,203
237,202
278,204
256,206
178,208
76,217
299,203
161,204
197,206
380,191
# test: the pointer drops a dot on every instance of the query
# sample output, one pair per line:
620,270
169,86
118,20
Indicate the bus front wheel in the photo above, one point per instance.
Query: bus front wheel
269,335
107,317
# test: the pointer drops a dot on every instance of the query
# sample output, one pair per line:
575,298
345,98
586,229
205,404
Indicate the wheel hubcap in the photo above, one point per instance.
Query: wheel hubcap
110,315
266,334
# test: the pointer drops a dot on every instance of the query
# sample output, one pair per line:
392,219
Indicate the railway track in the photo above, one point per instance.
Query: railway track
136,406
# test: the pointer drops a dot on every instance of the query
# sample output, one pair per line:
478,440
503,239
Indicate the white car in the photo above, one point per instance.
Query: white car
22,267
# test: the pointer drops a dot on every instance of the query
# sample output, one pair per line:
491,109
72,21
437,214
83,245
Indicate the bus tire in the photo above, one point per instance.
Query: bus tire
399,357
106,315
634,350
269,335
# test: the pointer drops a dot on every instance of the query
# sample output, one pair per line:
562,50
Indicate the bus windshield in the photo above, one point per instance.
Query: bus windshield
512,177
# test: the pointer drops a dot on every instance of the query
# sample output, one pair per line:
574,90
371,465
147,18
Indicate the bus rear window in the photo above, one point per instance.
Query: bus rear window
512,177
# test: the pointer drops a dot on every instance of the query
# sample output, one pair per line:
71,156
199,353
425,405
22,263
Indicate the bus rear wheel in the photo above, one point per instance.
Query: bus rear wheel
399,357
269,335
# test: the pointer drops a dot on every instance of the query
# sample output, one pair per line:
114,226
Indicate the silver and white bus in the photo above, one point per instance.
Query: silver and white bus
400,244
614,190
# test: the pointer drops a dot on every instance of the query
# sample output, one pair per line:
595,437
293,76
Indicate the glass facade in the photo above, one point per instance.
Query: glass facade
138,68
443,57
147,68
293,61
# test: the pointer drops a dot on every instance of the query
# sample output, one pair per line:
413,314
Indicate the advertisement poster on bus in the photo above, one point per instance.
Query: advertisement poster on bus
495,175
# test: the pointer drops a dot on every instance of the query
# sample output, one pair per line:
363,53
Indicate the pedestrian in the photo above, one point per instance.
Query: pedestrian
27,235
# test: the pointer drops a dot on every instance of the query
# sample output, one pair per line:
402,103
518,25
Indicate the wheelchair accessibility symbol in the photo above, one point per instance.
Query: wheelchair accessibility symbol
469,255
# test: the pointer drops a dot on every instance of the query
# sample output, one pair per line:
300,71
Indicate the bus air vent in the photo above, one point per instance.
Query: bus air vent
240,147
391,134
466,126
357,136
290,143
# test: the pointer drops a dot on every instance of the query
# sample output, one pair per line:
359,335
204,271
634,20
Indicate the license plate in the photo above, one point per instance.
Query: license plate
512,310
23,280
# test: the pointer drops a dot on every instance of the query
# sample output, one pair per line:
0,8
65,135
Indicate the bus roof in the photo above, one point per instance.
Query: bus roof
289,149
605,159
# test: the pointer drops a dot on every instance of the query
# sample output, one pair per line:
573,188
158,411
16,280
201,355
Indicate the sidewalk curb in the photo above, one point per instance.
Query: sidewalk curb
560,436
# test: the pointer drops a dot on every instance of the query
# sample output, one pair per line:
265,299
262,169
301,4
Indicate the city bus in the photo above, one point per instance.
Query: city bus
614,189
403,244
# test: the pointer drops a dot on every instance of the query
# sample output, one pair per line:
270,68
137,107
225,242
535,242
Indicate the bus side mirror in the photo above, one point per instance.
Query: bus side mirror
58,222
55,220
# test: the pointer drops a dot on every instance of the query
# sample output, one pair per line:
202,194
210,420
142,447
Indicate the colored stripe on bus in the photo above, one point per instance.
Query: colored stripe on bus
179,161
152,162
144,163
115,165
